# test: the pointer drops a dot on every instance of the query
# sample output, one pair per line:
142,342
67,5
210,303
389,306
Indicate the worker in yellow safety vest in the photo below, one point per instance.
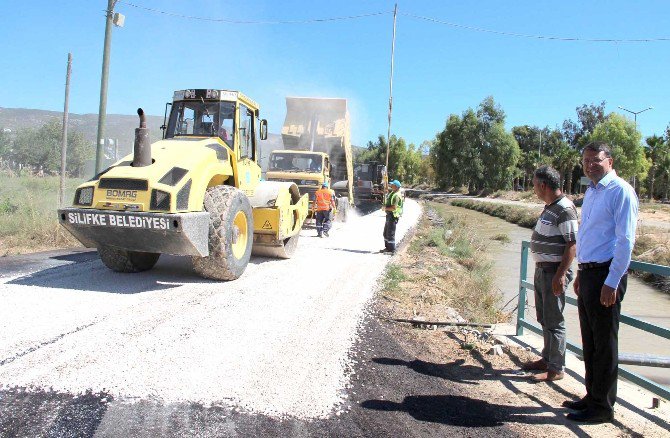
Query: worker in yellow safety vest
324,203
393,208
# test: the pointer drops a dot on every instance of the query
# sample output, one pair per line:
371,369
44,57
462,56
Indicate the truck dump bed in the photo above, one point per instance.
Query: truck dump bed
321,125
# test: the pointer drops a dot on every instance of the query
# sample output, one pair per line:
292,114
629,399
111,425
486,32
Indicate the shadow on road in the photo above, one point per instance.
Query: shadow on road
87,273
570,396
90,275
460,411
455,371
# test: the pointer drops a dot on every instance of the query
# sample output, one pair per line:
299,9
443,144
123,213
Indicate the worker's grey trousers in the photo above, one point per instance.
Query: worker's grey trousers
322,221
389,231
549,311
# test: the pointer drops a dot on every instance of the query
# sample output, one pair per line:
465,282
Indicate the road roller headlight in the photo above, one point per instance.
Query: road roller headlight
84,196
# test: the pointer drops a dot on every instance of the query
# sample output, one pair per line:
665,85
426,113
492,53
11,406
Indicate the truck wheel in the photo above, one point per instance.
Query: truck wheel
231,227
121,260
342,209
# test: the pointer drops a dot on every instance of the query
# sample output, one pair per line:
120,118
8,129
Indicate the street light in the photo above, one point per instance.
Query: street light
635,113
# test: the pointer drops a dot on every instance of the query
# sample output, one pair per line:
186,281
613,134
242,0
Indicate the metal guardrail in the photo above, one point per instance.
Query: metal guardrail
664,332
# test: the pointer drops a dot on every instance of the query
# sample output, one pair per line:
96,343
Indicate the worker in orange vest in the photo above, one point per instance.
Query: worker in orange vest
324,203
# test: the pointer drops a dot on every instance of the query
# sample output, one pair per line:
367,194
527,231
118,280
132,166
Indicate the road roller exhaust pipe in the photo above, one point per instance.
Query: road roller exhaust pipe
142,146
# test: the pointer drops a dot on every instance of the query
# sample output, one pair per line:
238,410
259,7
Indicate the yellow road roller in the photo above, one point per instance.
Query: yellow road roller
197,192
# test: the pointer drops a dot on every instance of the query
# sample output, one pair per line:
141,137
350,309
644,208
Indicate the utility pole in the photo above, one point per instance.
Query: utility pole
117,20
63,146
388,137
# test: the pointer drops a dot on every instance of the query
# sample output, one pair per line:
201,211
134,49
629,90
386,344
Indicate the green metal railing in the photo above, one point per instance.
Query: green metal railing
664,332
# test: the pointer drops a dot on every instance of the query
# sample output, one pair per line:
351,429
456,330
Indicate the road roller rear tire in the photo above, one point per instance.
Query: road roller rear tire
231,228
121,260
290,246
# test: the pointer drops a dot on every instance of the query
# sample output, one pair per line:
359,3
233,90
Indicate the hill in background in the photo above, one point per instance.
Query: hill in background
119,128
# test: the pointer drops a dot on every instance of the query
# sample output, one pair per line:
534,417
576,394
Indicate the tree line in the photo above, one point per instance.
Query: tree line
39,149
474,152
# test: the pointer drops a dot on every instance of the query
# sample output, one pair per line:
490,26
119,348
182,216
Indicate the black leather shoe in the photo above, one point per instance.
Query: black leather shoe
576,405
591,417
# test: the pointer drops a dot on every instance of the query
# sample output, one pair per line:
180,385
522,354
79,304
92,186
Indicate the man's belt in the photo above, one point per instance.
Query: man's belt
594,265
547,264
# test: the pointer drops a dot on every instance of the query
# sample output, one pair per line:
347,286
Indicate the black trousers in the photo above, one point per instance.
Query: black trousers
600,338
389,231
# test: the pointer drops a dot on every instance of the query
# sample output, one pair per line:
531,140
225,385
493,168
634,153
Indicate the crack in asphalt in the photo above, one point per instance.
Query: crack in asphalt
45,343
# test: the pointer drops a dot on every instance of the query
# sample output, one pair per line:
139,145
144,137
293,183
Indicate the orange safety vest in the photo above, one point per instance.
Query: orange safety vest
323,199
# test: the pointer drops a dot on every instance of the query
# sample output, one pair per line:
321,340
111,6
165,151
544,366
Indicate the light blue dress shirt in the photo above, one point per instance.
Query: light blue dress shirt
607,231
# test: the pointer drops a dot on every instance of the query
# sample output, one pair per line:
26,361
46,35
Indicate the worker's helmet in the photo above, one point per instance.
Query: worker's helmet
396,183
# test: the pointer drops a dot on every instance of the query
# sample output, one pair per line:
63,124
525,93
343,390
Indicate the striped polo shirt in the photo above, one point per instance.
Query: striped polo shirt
556,226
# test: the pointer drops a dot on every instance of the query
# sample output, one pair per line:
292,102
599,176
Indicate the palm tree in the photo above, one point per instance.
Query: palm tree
655,146
565,160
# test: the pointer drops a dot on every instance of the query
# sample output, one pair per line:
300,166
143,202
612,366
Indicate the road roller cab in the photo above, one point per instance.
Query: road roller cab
197,192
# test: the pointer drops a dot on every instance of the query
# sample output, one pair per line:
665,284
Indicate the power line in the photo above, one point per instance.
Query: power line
229,21
417,17
539,37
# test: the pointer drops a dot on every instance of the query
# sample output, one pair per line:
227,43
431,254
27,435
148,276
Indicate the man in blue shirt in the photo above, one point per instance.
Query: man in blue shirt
604,246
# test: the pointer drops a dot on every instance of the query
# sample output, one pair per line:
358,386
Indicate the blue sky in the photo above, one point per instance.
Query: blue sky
439,69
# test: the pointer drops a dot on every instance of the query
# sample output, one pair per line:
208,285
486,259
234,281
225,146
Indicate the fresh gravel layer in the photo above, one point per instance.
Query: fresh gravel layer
276,341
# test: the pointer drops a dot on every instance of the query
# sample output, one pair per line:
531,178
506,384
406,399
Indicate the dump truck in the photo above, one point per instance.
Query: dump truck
369,182
317,149
309,170
197,192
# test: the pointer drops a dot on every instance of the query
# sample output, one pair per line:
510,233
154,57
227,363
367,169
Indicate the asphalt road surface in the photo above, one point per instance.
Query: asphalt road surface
289,349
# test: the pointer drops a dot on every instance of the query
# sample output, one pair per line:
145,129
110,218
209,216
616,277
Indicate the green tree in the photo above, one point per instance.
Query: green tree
426,172
475,151
565,161
41,148
654,150
663,171
588,117
5,146
404,159
500,154
455,155
620,133
540,143
526,165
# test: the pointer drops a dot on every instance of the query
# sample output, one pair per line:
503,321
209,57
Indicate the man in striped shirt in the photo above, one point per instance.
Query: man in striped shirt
553,249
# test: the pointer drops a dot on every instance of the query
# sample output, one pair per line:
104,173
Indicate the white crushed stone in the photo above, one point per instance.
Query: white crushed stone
276,341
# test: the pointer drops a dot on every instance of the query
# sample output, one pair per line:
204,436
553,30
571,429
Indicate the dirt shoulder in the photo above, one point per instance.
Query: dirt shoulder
431,283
